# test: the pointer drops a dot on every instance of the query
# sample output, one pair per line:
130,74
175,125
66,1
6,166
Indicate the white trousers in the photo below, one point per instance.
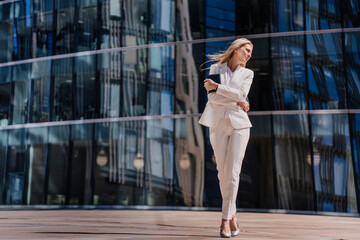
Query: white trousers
229,147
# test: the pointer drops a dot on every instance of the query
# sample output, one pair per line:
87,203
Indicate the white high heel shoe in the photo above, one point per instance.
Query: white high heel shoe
236,232
225,235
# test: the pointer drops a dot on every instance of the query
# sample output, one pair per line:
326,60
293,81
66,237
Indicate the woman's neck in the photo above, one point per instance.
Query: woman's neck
233,64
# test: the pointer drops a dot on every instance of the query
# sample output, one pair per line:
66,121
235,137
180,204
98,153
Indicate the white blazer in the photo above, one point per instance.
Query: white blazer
226,96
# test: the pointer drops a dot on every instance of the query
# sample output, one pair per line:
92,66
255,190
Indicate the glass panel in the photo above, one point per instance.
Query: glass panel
160,161
134,83
190,91
86,25
260,94
189,162
40,92
257,188
220,18
351,13
110,84
65,18
22,33
333,167
21,77
326,71
108,162
293,163
5,72
287,15
37,140
136,20
57,164
86,91
3,152
43,27
162,20
63,91
161,84
355,134
289,90
252,16
352,45
81,164
6,32
322,14
5,99
190,20
15,167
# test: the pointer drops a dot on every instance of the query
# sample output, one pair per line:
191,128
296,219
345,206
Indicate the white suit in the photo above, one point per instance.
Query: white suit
229,130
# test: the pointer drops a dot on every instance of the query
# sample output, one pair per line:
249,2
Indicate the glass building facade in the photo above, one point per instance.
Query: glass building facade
100,102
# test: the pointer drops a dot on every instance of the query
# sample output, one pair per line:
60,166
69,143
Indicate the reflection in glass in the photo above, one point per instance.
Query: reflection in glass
63,90
351,13
220,18
37,140
333,168
21,77
293,162
5,99
252,16
3,148
86,25
43,27
58,161
65,31
40,91
15,167
289,90
352,50
355,134
322,14
86,91
287,16
80,177
189,162
257,187
326,71
6,33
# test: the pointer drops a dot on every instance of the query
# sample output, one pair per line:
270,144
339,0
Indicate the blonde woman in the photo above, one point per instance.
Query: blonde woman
226,116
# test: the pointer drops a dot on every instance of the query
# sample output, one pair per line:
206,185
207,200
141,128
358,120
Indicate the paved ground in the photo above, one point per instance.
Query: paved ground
142,224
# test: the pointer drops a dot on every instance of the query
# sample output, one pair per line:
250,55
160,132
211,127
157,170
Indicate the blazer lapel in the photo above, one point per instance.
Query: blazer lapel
237,78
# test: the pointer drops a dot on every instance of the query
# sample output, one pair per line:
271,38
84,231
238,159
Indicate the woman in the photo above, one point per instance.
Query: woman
225,115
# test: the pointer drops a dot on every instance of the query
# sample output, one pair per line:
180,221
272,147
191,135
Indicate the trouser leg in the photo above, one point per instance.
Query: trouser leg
236,148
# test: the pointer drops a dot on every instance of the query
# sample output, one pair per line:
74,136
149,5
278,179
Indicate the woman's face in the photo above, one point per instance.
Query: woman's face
244,53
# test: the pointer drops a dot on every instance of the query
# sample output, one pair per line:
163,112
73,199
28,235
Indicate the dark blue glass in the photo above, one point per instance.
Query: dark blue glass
293,162
355,142
352,53
326,71
220,18
287,15
252,16
333,167
351,13
322,14
289,86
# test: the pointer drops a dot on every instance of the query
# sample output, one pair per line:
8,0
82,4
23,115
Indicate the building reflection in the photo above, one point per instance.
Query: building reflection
126,76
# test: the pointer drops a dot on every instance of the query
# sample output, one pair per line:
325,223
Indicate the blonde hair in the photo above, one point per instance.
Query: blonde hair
225,56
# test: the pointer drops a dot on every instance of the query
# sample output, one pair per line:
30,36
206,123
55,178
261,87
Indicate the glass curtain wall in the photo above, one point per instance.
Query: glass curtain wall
100,102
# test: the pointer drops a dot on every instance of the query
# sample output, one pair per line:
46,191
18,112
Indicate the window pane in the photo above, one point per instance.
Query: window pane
220,18
355,134
3,148
252,16
65,18
162,20
352,53
322,14
15,167
326,71
293,162
351,13
5,99
21,78
43,27
40,91
289,90
189,173
86,26
287,15
37,140
58,159
63,90
333,168
80,178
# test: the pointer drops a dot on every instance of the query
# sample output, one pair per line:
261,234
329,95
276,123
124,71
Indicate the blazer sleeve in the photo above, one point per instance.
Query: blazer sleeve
237,95
216,98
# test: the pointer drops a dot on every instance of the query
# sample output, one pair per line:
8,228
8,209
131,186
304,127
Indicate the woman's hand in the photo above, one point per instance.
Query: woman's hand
210,84
245,105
